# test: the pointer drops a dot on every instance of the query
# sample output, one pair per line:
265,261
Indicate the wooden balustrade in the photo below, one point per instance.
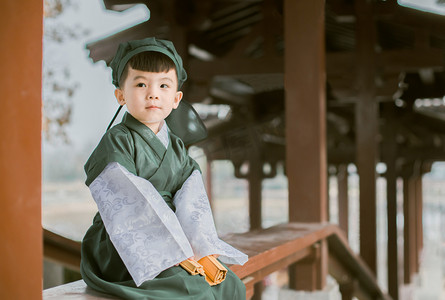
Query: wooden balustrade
269,250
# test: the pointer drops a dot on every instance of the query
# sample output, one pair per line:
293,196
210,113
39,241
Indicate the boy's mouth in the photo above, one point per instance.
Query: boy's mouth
152,107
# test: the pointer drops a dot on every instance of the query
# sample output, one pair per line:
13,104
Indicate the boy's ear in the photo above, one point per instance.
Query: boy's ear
178,98
119,94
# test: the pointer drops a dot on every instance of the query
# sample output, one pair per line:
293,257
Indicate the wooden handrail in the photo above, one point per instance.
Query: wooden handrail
61,250
348,268
269,250
285,244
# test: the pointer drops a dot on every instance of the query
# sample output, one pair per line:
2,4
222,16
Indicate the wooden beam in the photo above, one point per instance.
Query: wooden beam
415,19
306,162
411,59
344,92
344,8
339,65
201,70
366,115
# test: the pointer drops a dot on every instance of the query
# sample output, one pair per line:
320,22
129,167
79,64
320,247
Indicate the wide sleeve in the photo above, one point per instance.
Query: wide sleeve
143,229
195,215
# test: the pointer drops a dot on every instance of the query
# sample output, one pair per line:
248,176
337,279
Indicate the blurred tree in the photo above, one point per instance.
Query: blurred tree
58,86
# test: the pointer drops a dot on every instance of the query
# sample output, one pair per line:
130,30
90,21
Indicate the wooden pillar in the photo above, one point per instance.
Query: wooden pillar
409,231
418,220
305,80
392,254
366,115
255,178
328,199
255,197
306,274
390,145
306,163
413,219
343,199
425,168
20,150
347,289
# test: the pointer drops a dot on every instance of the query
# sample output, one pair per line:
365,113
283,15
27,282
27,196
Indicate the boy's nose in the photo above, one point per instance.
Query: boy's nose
152,94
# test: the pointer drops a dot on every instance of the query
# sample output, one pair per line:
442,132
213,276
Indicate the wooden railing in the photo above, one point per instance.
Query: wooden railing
269,250
61,250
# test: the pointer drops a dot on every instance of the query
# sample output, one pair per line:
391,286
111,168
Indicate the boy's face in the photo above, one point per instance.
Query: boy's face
150,96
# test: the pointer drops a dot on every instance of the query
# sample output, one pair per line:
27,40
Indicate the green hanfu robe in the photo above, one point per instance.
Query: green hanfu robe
136,148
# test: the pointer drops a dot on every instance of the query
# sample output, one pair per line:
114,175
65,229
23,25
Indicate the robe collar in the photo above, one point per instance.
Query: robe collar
146,133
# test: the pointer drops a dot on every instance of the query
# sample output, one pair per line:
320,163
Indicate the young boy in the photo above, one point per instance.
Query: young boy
153,208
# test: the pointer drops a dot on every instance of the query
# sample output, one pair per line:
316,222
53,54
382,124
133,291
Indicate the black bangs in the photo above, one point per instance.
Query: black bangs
152,62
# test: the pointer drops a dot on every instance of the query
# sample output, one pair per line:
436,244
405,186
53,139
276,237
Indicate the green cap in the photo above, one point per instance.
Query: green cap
129,49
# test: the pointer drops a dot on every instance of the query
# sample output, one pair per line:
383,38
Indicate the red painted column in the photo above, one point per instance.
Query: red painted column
20,150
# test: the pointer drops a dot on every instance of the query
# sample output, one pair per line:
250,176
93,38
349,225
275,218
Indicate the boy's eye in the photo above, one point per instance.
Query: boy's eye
164,86
141,85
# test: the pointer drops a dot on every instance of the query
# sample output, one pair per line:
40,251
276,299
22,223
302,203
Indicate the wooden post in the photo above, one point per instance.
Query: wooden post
305,80
425,168
255,178
418,220
343,199
255,197
306,275
328,199
306,162
389,135
409,232
366,115
20,150
348,289
392,258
